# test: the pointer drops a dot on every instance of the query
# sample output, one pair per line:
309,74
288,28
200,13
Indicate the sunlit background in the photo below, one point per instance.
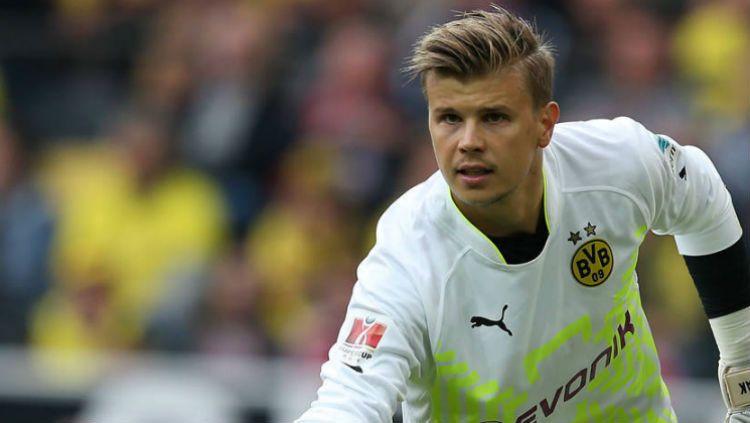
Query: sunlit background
186,187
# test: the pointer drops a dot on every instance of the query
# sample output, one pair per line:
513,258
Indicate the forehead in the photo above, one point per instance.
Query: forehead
504,88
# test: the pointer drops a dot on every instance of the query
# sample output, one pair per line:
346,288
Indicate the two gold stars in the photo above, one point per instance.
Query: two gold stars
576,236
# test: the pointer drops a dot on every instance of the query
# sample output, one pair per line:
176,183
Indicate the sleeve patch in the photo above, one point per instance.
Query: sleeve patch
671,152
362,341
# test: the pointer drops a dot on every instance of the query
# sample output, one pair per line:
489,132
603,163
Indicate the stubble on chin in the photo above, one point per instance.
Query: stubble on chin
480,202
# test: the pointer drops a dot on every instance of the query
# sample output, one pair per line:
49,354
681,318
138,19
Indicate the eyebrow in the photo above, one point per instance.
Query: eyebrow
486,109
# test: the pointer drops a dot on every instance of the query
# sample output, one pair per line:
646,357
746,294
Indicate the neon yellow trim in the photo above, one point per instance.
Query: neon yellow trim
499,254
460,213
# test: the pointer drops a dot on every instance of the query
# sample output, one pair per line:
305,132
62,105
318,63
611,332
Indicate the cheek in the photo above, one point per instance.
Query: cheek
439,146
527,142
441,155
518,156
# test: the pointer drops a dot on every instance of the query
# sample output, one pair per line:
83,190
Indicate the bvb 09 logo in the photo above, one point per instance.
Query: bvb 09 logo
592,263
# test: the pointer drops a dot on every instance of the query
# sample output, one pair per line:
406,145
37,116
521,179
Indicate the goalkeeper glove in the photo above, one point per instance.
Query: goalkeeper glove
735,388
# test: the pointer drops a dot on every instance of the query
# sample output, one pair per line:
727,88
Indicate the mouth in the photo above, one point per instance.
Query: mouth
474,175
474,170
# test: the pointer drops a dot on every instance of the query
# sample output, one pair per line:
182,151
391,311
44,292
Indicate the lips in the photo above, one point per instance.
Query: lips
474,175
474,169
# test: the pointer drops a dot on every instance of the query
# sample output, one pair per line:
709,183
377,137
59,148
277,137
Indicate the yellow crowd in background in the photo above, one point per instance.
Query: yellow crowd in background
204,176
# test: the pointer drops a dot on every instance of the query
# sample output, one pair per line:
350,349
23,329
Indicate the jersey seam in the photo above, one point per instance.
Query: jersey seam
441,300
641,207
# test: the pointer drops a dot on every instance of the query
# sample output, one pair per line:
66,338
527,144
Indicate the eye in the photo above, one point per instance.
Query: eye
494,117
450,118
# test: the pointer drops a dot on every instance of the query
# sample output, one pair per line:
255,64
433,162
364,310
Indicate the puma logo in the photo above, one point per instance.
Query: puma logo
477,321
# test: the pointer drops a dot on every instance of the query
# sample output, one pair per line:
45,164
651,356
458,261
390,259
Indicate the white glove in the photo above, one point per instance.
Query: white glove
735,388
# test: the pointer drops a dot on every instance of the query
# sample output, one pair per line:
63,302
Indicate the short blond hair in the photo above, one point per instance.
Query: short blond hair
482,42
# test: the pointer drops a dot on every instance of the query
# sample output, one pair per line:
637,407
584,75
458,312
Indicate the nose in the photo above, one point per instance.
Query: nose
470,140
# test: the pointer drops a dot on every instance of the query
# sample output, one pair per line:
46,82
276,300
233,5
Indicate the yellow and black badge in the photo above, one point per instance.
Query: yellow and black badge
592,263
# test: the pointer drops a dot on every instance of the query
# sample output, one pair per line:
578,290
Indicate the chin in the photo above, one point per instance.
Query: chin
476,199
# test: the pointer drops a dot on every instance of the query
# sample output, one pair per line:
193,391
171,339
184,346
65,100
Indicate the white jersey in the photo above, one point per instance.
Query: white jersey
439,321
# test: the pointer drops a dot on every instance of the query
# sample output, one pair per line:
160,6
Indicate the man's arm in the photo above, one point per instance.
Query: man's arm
382,342
365,377
723,283
689,200
722,280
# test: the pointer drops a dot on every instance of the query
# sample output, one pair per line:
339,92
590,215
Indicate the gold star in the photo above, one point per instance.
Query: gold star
590,229
575,237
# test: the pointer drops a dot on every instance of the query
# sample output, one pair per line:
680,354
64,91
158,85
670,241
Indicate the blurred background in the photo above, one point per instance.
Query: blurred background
186,187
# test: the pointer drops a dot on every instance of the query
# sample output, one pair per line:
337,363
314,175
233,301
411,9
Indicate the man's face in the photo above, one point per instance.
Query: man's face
486,134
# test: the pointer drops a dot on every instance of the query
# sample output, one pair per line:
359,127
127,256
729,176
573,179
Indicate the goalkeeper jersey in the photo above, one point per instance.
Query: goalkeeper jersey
440,322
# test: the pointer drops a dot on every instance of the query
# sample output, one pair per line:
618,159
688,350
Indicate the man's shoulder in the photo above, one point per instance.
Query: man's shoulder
418,204
407,235
606,148
621,133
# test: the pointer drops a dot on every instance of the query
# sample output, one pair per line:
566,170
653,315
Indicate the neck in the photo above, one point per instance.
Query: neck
516,213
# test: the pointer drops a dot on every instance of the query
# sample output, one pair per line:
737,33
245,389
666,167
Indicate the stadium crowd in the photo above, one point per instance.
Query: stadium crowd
203,176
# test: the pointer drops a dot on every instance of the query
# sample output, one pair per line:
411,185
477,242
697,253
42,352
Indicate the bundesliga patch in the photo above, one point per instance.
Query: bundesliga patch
592,262
362,341
670,152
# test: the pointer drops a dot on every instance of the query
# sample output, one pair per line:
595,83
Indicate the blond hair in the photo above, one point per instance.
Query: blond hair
483,42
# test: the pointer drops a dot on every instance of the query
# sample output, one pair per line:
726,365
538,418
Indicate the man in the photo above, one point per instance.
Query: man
502,289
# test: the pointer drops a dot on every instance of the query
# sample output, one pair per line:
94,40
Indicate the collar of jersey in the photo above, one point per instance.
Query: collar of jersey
471,236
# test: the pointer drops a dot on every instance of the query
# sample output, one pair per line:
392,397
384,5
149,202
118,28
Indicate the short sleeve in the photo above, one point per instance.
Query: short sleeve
685,195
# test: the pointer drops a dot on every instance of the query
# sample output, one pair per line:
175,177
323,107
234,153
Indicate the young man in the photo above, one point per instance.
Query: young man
502,289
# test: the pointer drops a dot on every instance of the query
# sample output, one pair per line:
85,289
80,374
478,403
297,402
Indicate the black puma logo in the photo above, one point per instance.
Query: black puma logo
477,321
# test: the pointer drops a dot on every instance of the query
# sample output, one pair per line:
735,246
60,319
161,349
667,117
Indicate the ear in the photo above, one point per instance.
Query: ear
548,116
